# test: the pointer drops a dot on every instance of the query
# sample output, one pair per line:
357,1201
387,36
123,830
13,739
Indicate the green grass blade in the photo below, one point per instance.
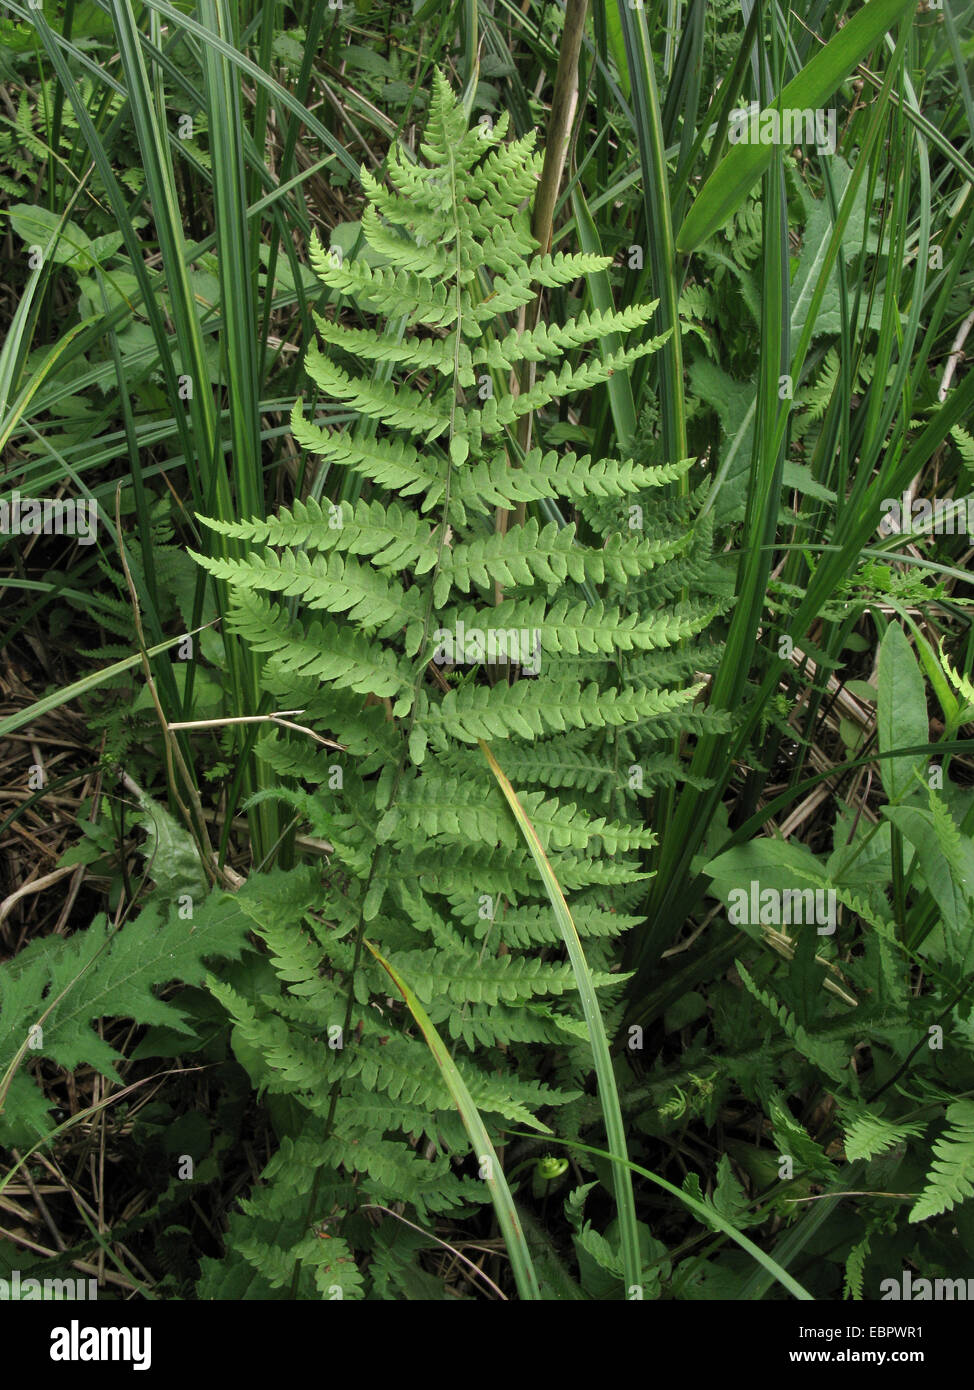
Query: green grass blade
260,78
240,343
736,174
90,682
659,228
16,341
803,1230
608,1093
10,419
507,1217
710,1216
619,385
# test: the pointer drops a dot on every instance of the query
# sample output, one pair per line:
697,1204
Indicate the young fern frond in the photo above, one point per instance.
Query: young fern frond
394,600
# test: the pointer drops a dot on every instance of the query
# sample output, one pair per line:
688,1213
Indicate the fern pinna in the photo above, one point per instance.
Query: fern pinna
443,599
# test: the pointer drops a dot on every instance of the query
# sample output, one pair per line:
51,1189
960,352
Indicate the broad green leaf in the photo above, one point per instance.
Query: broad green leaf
901,714
61,240
739,170
774,863
172,860
947,863
815,242
64,985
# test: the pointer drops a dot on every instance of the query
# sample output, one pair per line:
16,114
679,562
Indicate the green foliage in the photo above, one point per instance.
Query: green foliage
702,678
869,1135
949,1179
906,903
55,990
457,255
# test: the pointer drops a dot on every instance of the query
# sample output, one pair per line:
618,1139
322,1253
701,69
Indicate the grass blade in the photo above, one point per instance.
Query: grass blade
507,1217
710,1216
736,174
91,682
608,1093
619,385
659,228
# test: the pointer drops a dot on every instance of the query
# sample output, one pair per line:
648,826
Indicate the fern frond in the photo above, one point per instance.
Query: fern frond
951,1178
868,1134
828,1054
551,340
383,290
333,583
528,711
419,843
398,406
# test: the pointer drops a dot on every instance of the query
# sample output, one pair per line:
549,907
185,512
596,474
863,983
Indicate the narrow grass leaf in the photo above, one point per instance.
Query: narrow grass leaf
729,184
608,1093
507,1217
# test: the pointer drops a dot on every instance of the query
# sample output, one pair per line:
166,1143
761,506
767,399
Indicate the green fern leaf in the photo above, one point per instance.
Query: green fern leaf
951,1178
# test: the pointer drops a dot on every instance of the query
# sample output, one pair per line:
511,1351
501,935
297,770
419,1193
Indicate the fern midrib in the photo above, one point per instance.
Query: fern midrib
382,852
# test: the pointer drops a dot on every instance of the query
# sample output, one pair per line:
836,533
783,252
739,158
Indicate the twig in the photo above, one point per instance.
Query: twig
956,353
259,719
823,1195
37,885
41,1205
